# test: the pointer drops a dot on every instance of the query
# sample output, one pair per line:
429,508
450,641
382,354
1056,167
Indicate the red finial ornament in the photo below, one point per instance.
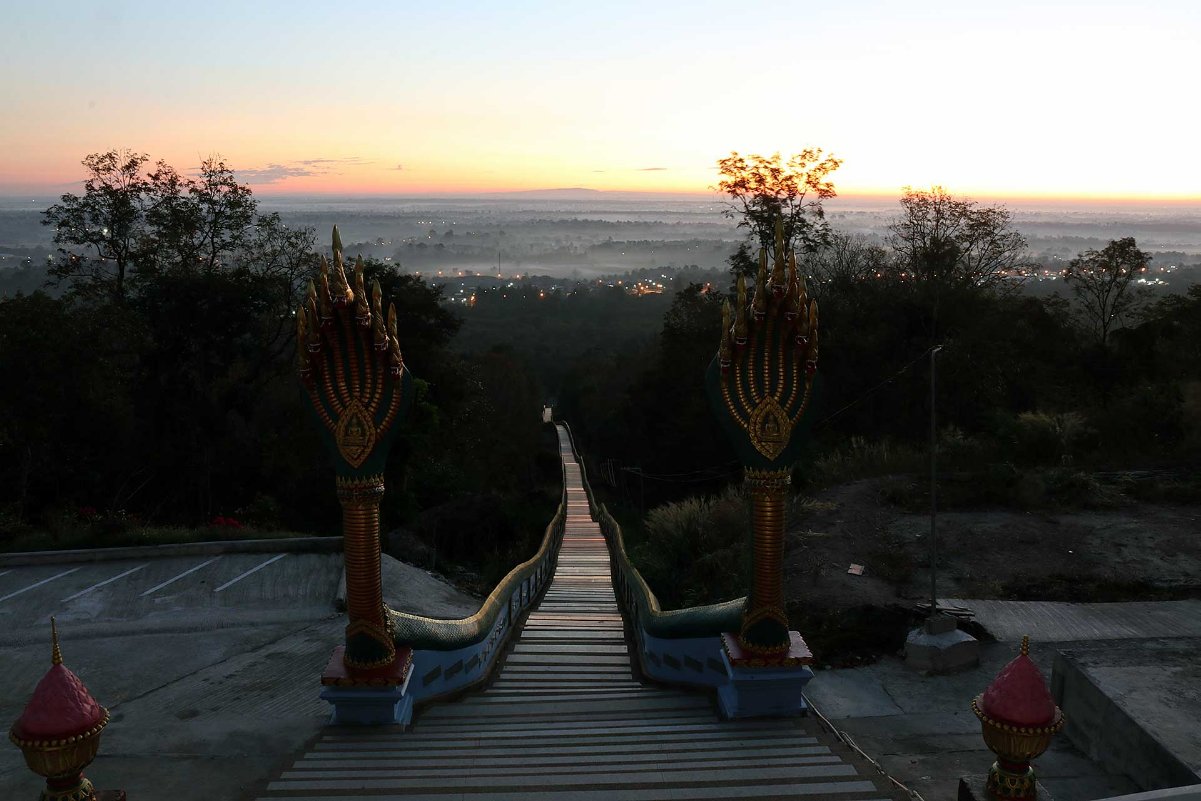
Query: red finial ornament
59,731
1018,718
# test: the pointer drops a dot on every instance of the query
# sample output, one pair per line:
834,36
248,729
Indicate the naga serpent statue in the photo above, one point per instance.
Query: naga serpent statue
351,367
760,385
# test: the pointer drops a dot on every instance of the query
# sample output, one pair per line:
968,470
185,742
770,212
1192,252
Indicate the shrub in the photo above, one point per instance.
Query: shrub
861,458
693,552
1047,439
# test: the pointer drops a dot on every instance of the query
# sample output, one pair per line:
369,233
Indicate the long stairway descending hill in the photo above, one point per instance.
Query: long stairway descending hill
566,718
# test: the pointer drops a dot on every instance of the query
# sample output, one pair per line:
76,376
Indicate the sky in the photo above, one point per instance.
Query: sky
989,99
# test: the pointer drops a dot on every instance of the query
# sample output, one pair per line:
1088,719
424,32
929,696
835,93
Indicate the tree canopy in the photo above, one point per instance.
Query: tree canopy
132,223
1103,282
764,189
163,376
955,242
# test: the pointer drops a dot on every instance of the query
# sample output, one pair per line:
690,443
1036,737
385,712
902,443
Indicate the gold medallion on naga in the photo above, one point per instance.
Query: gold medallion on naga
769,428
355,434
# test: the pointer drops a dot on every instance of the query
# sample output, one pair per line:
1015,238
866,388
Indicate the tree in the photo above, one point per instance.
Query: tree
1104,285
846,260
763,189
955,242
132,224
200,222
109,222
952,248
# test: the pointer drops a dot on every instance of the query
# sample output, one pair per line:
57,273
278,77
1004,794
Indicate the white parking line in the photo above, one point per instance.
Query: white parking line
187,572
40,583
101,584
254,569
4,572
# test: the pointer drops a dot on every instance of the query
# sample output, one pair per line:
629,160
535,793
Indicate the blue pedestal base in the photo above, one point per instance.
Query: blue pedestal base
369,706
763,690
375,697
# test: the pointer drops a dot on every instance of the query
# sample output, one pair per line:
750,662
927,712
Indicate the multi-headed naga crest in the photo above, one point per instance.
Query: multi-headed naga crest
760,385
350,364
766,361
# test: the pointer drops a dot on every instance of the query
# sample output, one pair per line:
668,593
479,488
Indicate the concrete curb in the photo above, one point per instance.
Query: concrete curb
292,545
1100,727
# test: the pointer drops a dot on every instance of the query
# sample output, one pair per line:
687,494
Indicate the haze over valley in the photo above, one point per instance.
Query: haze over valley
582,235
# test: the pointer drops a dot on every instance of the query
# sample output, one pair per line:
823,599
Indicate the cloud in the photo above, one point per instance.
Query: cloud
652,169
303,168
275,172
600,170
399,167
323,162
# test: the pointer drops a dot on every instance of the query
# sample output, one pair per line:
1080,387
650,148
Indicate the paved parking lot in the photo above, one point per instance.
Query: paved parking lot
166,592
209,662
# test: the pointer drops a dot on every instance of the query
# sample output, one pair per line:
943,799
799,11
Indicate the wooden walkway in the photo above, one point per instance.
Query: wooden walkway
565,718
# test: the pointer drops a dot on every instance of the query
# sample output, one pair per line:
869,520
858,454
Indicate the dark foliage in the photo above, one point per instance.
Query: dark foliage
159,388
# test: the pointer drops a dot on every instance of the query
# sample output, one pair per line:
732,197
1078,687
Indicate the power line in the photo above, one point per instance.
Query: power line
702,476
877,387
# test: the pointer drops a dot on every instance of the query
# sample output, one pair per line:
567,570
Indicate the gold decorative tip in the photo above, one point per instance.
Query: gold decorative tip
323,297
56,655
392,321
759,301
337,241
723,345
377,295
362,301
341,286
778,277
1026,645
740,324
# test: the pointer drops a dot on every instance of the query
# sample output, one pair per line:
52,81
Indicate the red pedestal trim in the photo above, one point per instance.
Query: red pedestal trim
797,654
336,674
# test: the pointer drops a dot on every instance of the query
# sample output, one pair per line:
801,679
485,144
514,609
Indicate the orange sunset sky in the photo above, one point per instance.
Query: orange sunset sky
1022,99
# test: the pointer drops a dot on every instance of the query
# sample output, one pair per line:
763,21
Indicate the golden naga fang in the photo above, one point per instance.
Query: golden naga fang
760,385
351,367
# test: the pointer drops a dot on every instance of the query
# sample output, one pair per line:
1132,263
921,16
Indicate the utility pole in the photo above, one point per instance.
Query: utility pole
933,487
938,646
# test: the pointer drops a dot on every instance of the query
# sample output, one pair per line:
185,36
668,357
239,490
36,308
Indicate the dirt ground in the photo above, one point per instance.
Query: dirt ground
1136,551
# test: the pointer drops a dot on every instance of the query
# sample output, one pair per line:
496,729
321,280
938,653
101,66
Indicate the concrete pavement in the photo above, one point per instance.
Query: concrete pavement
208,662
923,732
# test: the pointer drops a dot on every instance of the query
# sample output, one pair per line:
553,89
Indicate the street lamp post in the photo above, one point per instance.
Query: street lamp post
933,486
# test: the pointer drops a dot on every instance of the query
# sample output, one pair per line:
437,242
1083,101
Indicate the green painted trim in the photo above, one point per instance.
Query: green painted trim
430,634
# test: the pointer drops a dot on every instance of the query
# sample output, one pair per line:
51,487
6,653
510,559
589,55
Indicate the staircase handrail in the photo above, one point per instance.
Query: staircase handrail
427,633
642,606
